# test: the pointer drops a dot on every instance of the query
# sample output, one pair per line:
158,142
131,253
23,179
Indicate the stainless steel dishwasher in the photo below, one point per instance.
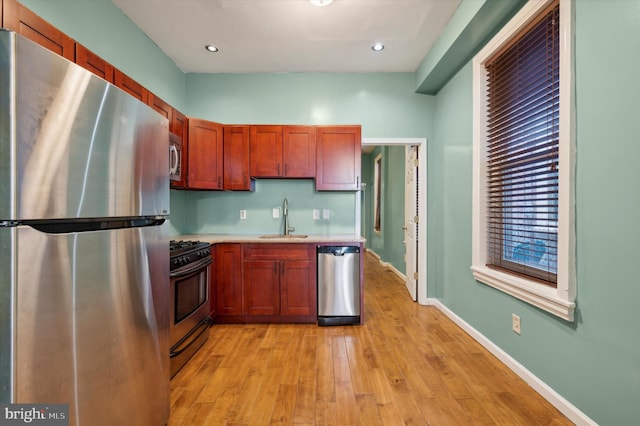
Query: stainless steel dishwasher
338,285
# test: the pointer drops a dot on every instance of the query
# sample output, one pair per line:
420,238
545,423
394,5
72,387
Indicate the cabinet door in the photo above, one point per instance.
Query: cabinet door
94,63
18,18
204,153
228,280
298,288
178,125
161,106
130,86
338,158
266,151
299,151
236,158
262,287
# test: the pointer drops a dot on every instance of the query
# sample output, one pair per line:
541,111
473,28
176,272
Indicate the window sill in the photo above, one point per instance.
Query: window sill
546,298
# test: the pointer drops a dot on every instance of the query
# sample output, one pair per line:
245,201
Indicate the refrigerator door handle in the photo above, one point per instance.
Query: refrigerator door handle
72,225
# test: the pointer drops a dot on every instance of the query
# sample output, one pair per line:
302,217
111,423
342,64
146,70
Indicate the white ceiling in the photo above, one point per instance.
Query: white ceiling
292,35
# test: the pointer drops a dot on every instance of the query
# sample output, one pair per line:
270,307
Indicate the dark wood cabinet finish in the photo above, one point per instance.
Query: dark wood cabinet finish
339,154
131,86
280,281
178,126
23,21
266,151
262,286
236,158
161,106
283,151
94,63
228,280
299,151
204,152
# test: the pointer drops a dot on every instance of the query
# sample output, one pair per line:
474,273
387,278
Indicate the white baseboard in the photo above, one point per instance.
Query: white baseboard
387,265
564,406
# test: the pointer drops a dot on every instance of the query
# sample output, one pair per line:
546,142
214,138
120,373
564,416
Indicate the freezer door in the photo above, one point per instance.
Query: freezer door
92,321
74,145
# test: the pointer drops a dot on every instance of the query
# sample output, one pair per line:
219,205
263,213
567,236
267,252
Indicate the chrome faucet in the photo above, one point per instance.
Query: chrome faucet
285,213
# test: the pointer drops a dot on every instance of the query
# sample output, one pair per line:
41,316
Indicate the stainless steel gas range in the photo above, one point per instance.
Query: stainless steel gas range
190,309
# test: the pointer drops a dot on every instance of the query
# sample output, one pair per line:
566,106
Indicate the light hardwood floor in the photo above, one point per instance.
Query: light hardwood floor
407,365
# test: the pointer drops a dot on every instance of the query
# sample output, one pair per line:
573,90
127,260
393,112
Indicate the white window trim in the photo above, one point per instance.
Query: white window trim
559,301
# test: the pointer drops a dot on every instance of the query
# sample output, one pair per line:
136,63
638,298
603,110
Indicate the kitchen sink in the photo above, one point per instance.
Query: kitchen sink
274,236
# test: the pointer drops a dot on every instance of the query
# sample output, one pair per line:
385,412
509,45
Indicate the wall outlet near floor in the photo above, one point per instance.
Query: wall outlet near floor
243,214
515,323
275,213
316,214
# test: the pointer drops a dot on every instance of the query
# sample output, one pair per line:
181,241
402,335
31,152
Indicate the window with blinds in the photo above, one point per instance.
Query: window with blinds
522,151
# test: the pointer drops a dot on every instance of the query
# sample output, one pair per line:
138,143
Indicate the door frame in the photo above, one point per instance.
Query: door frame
421,143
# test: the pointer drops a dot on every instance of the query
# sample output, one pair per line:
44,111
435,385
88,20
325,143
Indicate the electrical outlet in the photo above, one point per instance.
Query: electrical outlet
275,213
243,214
515,323
316,214
326,214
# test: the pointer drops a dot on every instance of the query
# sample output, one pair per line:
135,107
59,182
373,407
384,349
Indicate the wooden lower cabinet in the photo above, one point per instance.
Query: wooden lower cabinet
227,281
274,283
261,287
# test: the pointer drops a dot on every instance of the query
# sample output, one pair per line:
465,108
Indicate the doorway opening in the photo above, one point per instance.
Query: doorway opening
412,225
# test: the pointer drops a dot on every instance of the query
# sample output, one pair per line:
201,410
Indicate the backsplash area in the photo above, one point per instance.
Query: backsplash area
218,212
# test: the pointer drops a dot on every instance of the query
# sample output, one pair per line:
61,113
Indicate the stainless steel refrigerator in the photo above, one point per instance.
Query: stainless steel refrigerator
84,247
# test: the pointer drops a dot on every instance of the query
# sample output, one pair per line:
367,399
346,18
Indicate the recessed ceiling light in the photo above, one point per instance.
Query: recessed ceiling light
211,48
377,47
321,2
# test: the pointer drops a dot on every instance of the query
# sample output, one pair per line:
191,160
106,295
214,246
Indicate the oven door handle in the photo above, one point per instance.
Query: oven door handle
193,335
193,267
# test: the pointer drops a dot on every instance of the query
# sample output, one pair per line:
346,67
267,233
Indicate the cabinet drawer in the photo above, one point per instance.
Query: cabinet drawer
282,251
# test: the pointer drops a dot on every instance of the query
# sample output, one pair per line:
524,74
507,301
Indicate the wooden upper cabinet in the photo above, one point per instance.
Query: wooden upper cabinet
236,158
94,63
338,159
266,151
23,21
299,151
283,151
161,106
205,154
178,124
131,86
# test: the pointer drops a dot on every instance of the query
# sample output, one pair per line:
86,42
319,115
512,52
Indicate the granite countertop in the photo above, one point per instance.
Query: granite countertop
293,238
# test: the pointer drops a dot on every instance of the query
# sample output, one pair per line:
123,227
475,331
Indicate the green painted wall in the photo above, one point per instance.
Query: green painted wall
389,243
105,30
219,212
595,362
382,103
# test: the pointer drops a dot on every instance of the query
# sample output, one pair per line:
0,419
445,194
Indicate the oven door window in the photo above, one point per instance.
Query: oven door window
191,293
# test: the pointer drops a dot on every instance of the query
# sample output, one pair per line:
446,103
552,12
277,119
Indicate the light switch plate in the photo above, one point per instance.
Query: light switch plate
243,214
316,214
275,213
326,214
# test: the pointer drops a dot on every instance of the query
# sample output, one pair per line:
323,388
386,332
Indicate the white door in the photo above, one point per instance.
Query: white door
410,219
